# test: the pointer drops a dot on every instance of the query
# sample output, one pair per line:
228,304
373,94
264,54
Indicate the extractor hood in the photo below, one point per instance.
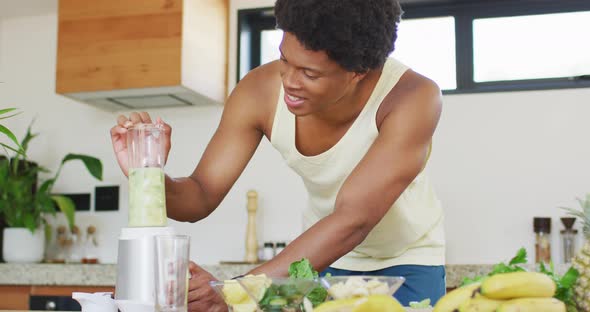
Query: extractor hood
127,54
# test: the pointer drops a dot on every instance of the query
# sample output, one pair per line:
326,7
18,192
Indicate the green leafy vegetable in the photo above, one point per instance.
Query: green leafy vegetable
278,297
564,283
303,269
512,266
564,291
424,304
317,295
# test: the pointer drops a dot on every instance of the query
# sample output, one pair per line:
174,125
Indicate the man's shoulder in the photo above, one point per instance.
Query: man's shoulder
260,83
413,93
413,85
256,95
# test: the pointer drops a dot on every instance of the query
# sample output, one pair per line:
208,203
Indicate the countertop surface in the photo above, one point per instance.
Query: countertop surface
407,309
106,274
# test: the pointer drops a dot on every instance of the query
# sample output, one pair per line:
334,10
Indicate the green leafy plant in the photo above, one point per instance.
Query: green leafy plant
18,149
24,205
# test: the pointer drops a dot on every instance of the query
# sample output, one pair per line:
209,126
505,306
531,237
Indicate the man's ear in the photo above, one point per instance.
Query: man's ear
357,77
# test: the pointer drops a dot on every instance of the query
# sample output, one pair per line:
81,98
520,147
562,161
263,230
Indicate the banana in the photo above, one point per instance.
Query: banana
451,301
518,285
532,305
480,304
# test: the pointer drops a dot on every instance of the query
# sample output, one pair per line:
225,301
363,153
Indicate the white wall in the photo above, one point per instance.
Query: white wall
498,160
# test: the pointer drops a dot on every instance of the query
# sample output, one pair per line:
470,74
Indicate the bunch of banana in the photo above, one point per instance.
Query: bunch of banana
507,292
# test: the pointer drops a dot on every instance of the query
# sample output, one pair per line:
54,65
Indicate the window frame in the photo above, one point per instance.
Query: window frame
251,22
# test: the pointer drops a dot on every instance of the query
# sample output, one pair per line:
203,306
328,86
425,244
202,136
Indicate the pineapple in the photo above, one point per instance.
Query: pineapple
581,261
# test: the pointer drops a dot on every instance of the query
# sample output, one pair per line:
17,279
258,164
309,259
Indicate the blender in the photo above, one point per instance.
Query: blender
147,217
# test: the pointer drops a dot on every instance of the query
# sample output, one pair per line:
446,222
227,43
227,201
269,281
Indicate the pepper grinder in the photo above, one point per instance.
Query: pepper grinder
251,240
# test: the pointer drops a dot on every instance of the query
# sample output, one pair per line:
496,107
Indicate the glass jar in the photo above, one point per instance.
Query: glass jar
90,246
280,247
568,236
268,251
147,196
76,246
542,228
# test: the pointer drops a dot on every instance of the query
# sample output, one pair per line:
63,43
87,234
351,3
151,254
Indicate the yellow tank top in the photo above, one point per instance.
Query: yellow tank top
412,230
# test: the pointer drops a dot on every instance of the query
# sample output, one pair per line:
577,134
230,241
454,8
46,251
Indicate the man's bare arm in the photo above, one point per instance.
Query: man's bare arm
227,154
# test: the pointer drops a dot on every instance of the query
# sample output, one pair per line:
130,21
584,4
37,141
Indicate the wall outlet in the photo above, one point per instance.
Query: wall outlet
81,200
106,198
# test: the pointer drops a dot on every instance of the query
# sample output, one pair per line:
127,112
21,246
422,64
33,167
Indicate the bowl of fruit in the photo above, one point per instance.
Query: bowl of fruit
345,287
259,293
280,294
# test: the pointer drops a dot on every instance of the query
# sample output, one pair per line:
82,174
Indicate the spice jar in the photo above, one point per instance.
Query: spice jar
268,251
542,228
280,247
568,236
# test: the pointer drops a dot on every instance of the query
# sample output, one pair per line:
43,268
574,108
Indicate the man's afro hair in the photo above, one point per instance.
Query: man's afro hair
357,34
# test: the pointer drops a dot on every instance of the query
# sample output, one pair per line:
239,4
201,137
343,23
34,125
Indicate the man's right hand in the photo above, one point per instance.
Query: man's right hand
119,136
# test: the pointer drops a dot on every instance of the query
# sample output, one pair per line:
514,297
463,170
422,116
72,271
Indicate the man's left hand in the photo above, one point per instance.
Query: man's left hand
201,296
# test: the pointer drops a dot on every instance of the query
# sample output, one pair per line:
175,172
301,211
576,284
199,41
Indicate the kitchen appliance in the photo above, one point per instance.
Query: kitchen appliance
96,302
136,263
53,303
135,288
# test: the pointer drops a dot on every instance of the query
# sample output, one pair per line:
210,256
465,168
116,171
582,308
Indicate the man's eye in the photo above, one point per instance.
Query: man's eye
312,77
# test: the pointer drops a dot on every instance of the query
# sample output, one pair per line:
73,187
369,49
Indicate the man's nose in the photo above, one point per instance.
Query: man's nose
290,80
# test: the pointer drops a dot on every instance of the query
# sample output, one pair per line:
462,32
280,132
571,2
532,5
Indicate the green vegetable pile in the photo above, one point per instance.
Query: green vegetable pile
564,283
287,297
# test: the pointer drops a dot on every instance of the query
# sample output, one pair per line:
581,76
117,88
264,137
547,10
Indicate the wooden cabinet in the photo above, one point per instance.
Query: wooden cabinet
17,297
129,53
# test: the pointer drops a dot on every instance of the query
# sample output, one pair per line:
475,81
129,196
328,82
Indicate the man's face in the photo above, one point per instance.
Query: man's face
312,81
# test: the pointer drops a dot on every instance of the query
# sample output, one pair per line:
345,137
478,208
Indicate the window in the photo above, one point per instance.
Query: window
468,46
269,46
549,51
427,45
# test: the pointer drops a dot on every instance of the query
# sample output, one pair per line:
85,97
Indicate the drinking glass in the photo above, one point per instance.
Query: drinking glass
172,258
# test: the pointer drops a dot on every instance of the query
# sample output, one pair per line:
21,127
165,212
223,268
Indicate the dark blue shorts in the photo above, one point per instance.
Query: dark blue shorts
422,281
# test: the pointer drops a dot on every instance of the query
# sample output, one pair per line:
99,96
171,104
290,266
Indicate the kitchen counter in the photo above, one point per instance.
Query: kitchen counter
106,274
407,309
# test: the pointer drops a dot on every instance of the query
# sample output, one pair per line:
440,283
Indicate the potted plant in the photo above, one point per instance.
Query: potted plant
5,131
23,205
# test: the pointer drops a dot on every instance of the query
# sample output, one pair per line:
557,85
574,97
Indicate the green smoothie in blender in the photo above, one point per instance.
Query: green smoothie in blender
147,196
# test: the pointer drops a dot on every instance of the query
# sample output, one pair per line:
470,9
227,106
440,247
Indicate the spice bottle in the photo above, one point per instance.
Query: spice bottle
90,246
269,250
63,243
568,236
542,228
280,247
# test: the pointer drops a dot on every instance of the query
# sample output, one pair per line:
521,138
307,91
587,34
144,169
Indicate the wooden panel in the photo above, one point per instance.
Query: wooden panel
67,290
118,44
14,297
76,9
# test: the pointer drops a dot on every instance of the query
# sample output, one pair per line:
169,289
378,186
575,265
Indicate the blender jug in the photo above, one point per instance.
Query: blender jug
147,196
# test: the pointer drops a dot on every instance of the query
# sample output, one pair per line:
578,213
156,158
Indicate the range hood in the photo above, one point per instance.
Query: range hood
127,54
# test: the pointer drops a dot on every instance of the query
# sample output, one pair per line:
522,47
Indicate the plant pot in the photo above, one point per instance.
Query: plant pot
22,246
